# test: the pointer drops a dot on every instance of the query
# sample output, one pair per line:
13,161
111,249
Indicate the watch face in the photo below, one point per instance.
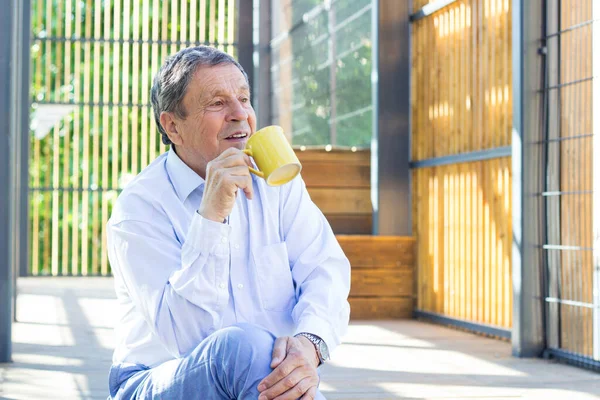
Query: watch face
324,351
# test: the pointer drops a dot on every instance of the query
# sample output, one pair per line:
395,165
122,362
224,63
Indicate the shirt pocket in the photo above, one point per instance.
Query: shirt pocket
274,277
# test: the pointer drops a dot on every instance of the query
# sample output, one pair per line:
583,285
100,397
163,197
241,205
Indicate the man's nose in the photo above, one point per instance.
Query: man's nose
238,112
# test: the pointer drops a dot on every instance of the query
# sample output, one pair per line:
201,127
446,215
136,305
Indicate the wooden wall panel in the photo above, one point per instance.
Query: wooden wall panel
385,252
342,200
382,282
461,79
364,308
463,231
383,270
351,223
327,174
339,183
461,102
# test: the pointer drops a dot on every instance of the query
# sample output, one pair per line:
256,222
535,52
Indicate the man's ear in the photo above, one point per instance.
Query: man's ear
167,120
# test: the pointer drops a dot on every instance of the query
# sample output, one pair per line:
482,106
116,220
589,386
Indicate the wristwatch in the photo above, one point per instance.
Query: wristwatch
320,345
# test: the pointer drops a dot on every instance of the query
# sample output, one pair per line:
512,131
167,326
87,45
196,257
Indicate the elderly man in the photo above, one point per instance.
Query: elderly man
227,288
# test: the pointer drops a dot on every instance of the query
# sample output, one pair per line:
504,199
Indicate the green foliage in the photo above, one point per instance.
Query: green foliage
89,155
312,70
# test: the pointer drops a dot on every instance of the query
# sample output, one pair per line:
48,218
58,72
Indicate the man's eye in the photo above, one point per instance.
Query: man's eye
244,99
217,103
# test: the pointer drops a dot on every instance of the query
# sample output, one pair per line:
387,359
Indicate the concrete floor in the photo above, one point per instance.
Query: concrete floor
63,348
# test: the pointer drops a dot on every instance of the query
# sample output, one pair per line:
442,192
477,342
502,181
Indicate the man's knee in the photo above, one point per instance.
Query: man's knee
244,354
247,339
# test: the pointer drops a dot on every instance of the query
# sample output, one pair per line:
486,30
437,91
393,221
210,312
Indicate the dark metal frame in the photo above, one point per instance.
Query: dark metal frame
572,359
6,168
14,125
430,9
390,155
21,100
528,339
459,323
480,155
245,22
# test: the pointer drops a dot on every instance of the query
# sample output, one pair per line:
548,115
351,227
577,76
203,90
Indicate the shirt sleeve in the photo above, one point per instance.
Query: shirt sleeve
169,283
320,269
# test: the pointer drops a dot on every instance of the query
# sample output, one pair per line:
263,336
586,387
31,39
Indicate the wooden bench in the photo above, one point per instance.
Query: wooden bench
339,182
382,275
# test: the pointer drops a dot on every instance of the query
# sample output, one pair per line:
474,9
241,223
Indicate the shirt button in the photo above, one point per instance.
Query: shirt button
237,246
223,239
222,286
240,286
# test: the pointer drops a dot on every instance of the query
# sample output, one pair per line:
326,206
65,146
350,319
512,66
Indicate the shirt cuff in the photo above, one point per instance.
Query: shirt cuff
205,237
320,327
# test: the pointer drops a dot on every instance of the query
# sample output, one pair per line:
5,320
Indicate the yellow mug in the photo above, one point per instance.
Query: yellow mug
273,156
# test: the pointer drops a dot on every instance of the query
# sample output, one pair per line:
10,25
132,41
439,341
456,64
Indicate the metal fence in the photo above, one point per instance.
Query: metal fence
92,128
567,196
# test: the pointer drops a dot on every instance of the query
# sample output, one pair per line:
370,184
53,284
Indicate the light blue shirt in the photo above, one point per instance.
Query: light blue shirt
179,277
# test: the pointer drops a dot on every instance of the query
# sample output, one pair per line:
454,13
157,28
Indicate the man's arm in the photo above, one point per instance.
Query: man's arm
321,274
320,269
172,285
180,289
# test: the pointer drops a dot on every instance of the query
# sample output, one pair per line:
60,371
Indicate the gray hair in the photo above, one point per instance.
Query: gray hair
172,80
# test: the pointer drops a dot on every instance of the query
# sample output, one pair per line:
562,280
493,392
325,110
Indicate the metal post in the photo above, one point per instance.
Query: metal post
6,45
244,39
262,85
375,113
20,144
596,173
528,311
391,137
332,75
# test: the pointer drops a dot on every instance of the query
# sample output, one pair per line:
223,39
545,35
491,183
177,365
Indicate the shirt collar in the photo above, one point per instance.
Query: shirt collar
183,178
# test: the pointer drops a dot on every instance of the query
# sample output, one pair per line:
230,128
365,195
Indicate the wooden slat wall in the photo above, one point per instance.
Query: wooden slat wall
463,230
575,102
461,102
382,275
339,182
78,168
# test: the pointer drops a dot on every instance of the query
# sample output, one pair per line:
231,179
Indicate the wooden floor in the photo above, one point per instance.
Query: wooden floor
63,347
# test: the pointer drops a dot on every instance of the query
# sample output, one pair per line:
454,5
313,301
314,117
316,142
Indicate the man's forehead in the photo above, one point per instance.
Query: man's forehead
221,78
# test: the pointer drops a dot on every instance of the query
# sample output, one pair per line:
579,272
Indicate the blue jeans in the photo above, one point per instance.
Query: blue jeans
229,364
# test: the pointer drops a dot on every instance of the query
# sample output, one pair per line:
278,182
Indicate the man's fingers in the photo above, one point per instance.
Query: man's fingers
243,182
300,389
239,170
310,394
231,151
279,351
232,157
290,387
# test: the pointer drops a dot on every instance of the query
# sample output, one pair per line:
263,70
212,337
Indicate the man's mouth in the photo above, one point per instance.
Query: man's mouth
237,136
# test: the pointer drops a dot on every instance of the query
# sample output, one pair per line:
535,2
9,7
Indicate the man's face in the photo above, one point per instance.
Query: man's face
219,116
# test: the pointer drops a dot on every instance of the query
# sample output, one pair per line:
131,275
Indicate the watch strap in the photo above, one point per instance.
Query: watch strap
317,342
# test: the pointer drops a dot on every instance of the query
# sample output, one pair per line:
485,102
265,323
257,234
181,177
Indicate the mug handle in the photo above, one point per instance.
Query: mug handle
254,171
